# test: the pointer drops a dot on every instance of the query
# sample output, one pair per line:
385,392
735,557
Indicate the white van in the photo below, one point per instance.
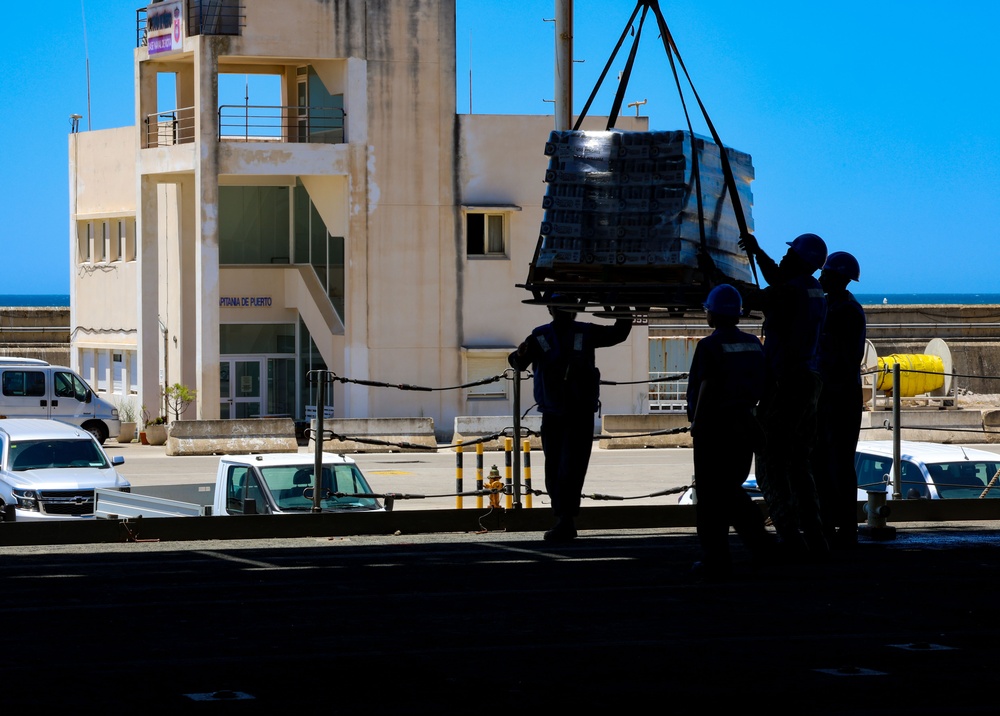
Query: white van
30,390
11,360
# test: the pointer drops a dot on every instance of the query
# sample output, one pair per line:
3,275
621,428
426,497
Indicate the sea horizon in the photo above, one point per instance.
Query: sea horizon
18,300
61,300
933,299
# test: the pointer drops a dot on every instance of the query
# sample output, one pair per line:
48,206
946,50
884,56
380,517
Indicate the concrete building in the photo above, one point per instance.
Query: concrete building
352,221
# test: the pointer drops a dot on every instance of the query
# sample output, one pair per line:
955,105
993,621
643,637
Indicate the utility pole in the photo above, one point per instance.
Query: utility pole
564,64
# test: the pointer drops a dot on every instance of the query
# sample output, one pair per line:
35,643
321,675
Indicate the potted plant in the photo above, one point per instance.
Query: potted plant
156,431
127,415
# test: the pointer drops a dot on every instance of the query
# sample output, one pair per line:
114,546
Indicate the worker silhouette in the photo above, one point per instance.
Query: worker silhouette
725,382
567,391
841,402
794,309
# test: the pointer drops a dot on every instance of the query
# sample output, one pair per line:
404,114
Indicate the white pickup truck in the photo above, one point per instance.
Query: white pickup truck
260,484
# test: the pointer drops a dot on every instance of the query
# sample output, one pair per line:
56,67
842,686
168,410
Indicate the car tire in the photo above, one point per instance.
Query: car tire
98,429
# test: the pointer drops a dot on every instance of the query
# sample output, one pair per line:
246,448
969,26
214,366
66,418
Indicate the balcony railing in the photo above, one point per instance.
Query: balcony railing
204,17
173,126
262,123
250,123
216,17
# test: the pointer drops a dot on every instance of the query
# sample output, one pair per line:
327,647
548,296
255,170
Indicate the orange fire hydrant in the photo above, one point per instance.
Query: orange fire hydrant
495,485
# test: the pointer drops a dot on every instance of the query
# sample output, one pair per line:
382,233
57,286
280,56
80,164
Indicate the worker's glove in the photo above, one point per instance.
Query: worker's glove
748,242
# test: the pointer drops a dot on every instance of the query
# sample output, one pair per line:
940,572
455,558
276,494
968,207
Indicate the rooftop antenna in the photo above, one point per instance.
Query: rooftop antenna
470,73
637,105
74,123
86,54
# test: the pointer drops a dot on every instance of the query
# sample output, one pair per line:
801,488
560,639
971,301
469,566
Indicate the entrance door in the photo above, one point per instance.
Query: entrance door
240,388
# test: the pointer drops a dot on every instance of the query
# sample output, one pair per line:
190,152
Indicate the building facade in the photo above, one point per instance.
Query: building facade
353,222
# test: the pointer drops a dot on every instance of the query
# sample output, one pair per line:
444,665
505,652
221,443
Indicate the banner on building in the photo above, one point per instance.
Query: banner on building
164,29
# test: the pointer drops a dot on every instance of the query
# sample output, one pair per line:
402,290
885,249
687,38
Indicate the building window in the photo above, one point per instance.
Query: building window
133,372
103,370
84,236
485,234
483,363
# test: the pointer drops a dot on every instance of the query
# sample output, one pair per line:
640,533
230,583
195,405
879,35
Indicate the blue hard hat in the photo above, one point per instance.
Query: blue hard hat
810,248
724,300
843,263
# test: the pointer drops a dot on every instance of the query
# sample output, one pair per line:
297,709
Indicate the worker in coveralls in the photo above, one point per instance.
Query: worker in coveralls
794,309
567,384
841,402
725,382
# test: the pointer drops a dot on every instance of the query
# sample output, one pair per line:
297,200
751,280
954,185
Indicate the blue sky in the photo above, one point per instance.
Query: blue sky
875,125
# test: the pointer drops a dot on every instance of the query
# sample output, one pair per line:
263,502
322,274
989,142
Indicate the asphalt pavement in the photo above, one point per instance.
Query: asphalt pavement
499,623
495,622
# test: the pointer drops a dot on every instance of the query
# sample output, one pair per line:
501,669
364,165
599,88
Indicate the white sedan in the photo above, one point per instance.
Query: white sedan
930,471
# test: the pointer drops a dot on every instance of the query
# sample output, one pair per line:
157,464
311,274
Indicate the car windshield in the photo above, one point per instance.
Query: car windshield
965,479
40,454
343,487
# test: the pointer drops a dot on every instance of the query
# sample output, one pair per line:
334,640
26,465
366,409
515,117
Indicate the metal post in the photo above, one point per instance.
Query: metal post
458,475
318,437
564,65
517,439
896,432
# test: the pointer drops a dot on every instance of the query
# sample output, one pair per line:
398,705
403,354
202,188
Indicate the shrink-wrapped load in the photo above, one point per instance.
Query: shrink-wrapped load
629,199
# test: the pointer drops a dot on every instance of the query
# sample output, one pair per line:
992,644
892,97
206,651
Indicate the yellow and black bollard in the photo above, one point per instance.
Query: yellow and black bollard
458,475
508,452
479,475
527,474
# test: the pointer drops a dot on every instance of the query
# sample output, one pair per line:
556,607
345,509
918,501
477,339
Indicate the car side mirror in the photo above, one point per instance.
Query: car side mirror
250,506
118,460
88,396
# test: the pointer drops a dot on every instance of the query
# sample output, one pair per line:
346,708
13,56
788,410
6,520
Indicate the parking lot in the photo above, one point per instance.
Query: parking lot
619,473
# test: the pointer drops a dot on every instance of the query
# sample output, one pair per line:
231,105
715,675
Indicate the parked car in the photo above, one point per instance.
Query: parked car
929,471
50,469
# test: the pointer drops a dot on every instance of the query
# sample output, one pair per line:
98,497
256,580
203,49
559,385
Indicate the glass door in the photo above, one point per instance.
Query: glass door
240,388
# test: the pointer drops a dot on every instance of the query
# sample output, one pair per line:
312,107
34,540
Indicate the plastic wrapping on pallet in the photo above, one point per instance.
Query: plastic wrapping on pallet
624,199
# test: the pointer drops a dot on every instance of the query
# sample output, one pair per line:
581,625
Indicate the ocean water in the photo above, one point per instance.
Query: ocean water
909,299
38,299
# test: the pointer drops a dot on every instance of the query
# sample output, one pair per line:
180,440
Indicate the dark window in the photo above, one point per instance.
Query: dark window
24,383
484,234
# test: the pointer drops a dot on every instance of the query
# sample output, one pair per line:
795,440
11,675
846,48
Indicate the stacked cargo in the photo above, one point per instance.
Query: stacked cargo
628,200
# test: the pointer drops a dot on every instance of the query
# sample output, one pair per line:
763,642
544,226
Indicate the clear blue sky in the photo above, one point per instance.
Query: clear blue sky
875,125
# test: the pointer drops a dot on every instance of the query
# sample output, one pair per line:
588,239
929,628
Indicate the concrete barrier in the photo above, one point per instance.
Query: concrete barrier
928,425
473,427
991,425
234,437
404,434
618,431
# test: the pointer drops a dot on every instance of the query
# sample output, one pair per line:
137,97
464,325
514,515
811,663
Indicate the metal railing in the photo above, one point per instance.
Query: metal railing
204,17
170,127
667,396
256,123
216,17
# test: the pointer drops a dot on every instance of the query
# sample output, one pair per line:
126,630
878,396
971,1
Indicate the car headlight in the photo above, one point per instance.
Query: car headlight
26,499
